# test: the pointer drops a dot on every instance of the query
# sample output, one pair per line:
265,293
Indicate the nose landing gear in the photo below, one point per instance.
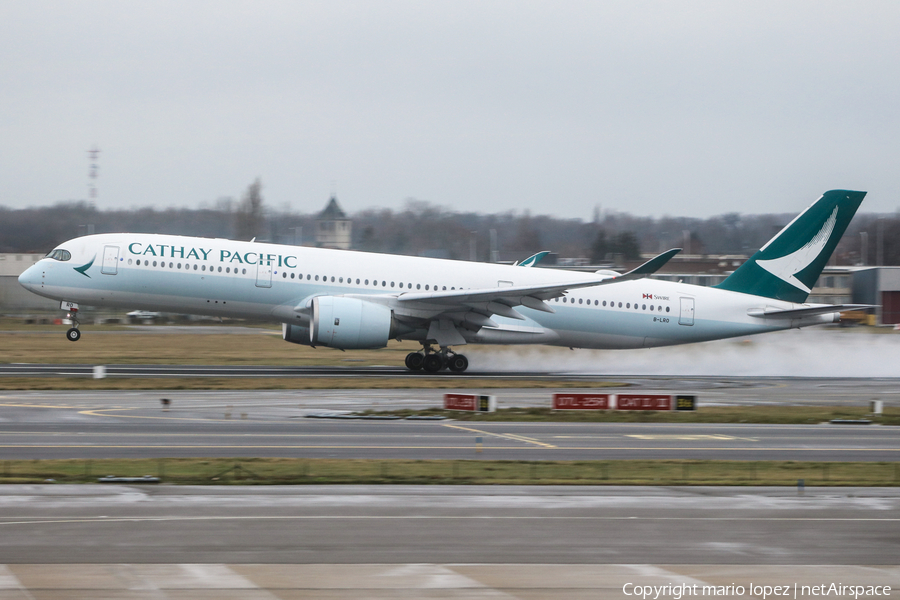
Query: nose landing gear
434,361
73,334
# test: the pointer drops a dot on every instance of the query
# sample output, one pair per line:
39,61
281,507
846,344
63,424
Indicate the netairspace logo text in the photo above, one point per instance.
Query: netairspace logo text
795,591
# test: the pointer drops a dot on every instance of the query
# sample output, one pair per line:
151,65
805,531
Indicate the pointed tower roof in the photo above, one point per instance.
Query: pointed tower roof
332,211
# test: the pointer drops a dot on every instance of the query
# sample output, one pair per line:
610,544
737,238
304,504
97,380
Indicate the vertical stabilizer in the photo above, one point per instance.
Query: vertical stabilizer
789,264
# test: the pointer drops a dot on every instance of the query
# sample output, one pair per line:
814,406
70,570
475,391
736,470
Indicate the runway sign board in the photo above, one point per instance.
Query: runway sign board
470,402
643,401
581,401
683,402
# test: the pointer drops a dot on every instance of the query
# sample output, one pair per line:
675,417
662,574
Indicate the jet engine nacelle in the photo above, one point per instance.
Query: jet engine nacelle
349,323
295,334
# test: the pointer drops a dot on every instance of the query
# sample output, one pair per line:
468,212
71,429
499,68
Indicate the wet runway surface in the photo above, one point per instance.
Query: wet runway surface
354,542
463,581
162,437
127,424
448,524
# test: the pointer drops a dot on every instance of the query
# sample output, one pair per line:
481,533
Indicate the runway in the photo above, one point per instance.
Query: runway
449,524
463,581
343,542
463,542
274,423
715,389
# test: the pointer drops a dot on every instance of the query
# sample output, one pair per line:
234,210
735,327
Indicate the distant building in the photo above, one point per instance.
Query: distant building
881,286
333,228
14,299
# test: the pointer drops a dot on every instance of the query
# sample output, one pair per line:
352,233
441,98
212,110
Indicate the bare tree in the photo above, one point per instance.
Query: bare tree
249,220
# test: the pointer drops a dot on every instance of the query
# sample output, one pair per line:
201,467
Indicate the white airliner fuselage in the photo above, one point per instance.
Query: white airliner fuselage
228,279
351,300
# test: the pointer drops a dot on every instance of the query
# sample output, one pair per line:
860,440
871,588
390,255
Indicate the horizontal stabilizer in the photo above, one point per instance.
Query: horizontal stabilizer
796,313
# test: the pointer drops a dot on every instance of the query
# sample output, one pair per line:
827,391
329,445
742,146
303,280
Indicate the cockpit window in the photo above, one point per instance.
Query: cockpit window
60,254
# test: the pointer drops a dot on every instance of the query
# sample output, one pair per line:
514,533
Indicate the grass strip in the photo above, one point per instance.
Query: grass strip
185,348
281,471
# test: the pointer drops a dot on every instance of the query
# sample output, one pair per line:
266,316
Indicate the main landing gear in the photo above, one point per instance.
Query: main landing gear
432,361
73,334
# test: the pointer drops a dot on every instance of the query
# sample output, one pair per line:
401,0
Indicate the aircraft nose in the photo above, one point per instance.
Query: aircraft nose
31,278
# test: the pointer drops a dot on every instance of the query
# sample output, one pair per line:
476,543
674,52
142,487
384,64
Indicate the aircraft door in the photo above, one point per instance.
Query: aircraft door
264,273
110,265
686,317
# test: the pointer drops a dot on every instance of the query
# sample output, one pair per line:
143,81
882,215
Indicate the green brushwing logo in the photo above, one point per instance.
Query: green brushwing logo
534,259
84,268
787,266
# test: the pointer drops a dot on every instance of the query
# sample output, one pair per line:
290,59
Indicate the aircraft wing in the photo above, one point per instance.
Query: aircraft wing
796,313
500,300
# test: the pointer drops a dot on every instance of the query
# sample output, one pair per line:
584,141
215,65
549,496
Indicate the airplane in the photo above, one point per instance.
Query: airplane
359,300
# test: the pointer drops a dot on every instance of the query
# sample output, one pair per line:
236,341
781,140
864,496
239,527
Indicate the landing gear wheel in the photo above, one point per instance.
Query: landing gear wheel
73,335
432,363
458,363
414,361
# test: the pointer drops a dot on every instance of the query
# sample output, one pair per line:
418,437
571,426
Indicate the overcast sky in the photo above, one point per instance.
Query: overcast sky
679,108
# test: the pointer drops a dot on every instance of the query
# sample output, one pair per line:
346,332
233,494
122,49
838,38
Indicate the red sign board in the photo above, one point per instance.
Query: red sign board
643,402
460,402
581,401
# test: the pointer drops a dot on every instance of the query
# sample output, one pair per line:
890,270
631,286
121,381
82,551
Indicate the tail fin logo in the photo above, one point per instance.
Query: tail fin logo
786,267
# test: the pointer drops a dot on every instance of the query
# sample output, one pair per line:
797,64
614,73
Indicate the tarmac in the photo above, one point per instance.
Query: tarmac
525,542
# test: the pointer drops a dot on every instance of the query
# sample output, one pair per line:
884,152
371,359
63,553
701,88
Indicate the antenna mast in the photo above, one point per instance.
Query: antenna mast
93,153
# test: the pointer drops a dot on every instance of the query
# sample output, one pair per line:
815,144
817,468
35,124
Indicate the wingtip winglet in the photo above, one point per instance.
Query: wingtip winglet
654,264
